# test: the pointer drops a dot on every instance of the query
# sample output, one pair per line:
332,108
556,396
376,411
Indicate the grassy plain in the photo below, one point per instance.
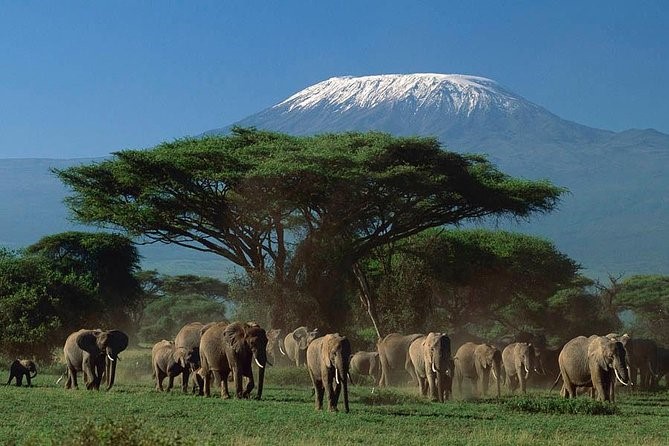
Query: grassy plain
133,413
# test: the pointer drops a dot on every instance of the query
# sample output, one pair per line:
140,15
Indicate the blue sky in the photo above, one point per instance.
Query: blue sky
83,79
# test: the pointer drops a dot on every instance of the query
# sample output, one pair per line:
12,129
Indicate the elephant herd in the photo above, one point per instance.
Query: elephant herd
223,352
596,362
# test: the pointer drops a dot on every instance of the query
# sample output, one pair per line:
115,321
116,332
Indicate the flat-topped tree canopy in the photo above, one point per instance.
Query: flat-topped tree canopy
237,195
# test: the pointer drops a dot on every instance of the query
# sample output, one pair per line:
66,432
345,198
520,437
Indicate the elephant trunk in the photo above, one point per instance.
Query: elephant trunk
111,368
33,374
498,377
261,380
341,373
260,357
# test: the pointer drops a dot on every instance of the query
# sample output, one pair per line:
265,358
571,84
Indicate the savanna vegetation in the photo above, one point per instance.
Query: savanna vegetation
364,234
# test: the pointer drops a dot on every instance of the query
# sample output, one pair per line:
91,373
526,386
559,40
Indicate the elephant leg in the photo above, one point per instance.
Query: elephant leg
522,383
320,391
331,390
335,396
249,386
160,377
28,379
600,393
207,383
185,375
19,380
222,378
170,382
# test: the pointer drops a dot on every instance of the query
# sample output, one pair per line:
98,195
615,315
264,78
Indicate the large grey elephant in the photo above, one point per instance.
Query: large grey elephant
226,348
593,362
20,368
296,342
170,361
519,360
394,356
366,364
328,364
477,362
95,353
189,338
643,362
662,365
276,351
431,359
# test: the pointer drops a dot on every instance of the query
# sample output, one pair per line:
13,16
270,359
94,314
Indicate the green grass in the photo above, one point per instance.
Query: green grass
135,414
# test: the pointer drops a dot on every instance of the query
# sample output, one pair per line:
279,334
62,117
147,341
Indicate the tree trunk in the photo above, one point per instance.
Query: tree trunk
366,297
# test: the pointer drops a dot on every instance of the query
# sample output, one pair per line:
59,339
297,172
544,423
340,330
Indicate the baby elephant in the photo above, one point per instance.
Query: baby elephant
21,368
168,361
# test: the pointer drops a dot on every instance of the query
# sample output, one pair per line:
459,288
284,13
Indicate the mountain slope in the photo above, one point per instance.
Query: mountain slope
614,220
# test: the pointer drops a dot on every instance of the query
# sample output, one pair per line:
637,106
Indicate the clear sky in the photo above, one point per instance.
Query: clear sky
83,79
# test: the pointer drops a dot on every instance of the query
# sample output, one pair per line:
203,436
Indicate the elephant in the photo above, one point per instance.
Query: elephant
296,342
662,365
189,339
643,360
95,353
547,365
275,347
226,348
431,359
394,356
170,361
593,362
328,360
20,368
477,362
366,364
519,360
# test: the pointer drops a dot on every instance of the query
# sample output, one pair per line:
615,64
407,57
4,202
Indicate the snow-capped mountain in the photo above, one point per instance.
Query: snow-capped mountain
615,218
448,93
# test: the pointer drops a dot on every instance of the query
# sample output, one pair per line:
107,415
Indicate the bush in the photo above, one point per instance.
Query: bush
578,406
389,397
129,432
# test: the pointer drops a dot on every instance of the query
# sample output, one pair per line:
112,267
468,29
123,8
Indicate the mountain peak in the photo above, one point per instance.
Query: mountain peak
451,93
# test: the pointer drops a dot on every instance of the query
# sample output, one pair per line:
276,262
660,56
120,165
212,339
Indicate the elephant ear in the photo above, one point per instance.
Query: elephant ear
117,340
233,336
88,342
445,344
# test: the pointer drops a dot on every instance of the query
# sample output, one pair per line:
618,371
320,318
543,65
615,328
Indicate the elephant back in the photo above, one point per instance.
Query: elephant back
416,355
212,348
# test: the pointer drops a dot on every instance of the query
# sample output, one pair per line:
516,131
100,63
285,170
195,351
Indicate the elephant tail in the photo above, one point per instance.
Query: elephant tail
557,380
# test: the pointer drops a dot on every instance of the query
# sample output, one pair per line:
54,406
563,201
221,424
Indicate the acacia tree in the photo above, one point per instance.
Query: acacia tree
301,210
647,296
469,277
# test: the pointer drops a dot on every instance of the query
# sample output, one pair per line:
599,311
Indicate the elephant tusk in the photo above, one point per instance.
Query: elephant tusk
494,375
337,375
527,372
110,358
61,378
281,350
618,376
434,369
259,365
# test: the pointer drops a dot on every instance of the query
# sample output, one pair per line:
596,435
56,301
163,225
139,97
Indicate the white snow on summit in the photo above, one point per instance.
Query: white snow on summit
455,93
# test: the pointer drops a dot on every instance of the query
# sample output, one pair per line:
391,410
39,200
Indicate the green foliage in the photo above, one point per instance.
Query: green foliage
61,284
123,432
299,210
489,280
648,298
385,397
177,300
555,405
